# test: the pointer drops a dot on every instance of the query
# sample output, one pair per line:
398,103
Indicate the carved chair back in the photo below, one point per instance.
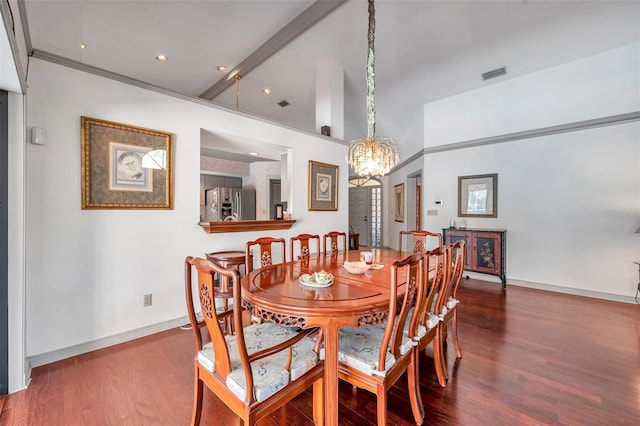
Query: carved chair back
334,242
422,240
266,251
304,241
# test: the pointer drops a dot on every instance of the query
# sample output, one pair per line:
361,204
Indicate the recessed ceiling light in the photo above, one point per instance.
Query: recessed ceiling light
253,153
266,91
83,46
222,68
162,58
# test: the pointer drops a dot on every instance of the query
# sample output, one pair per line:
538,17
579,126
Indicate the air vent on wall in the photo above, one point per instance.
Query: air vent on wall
283,103
494,73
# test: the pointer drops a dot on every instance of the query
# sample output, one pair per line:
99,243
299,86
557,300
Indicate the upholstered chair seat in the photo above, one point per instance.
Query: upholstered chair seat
270,373
360,347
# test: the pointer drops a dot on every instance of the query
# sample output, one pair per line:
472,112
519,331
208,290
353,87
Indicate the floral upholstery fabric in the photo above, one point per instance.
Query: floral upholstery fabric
359,348
269,373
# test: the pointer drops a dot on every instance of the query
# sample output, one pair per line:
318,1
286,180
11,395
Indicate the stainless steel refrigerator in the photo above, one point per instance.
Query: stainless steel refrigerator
230,204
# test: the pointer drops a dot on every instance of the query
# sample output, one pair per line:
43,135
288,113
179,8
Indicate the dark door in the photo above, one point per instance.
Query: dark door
4,245
275,196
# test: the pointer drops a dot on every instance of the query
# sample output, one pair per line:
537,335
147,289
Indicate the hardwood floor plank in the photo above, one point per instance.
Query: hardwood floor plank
529,357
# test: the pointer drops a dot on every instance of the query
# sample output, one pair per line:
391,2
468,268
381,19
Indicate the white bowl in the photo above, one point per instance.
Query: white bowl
356,267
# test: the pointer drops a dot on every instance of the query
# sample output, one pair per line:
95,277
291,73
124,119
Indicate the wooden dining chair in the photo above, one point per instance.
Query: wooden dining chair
304,241
266,251
426,332
449,305
421,239
256,370
334,242
374,356
229,260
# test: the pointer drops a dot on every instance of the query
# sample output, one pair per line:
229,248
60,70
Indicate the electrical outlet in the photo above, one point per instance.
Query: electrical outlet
147,300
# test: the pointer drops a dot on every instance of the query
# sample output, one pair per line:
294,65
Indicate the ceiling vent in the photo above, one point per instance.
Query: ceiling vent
494,73
283,103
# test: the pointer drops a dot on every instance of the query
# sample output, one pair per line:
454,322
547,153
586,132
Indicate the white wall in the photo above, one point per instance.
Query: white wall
594,87
87,270
392,229
570,202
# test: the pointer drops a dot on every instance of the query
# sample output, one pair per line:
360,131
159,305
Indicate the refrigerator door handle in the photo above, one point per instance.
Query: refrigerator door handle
238,206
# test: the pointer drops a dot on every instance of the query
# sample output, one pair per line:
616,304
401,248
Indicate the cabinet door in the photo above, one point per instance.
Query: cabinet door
453,236
232,182
213,181
487,253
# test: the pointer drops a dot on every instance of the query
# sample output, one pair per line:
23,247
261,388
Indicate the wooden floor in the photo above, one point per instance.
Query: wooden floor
529,358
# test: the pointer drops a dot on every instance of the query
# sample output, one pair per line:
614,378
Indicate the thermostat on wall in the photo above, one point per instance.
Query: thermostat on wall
438,202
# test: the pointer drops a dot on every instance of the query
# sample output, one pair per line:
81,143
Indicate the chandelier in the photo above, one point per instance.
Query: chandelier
372,156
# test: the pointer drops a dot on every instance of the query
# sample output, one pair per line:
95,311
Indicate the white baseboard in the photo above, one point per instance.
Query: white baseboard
573,291
550,287
57,355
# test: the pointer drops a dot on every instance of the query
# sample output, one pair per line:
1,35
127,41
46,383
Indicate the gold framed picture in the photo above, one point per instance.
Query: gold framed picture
125,167
398,202
323,186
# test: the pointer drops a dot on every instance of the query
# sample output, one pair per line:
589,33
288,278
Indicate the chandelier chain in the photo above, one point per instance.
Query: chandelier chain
370,72
372,156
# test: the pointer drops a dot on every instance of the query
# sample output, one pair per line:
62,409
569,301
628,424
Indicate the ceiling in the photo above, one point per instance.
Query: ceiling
425,50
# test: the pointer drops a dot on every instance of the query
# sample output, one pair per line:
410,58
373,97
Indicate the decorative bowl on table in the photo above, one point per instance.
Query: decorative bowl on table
356,267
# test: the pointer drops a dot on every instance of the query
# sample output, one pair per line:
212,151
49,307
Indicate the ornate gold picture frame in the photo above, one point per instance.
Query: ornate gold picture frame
323,186
398,202
125,167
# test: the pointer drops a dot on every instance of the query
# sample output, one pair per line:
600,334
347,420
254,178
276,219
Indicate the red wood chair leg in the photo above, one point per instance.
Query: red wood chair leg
414,389
197,400
454,333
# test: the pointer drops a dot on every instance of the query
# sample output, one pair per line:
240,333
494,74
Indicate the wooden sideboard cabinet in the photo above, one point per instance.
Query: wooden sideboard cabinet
486,249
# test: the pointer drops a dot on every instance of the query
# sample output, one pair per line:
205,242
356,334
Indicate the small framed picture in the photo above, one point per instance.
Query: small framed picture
478,196
323,186
398,202
278,212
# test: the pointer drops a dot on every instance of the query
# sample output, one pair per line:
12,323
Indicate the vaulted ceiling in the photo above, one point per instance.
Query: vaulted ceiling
425,50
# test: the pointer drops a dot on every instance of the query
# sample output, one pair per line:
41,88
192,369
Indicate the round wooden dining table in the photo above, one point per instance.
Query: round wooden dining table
275,293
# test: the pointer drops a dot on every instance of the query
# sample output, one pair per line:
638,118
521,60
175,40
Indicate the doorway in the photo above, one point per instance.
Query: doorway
275,197
365,210
414,200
